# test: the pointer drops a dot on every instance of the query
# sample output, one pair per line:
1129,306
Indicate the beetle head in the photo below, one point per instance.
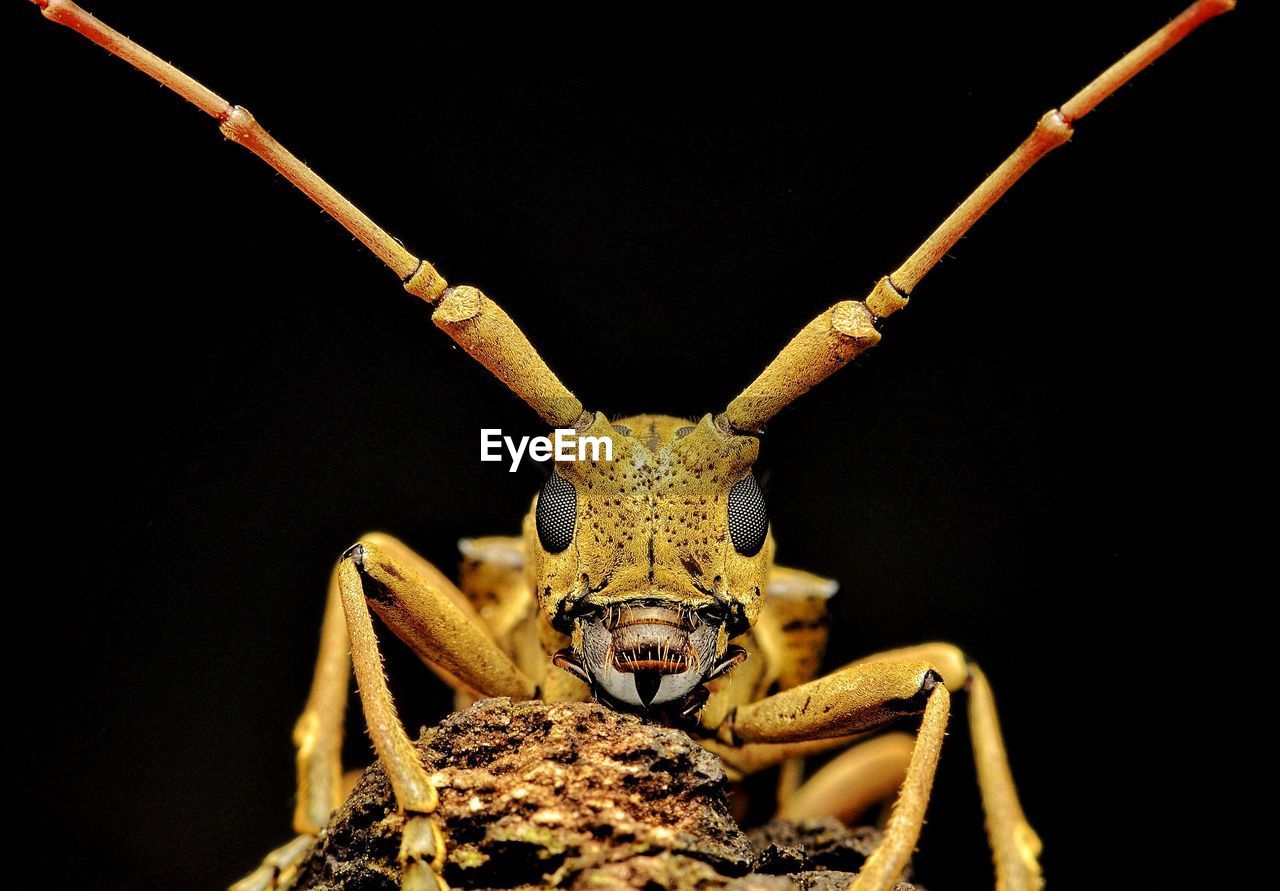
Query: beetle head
647,565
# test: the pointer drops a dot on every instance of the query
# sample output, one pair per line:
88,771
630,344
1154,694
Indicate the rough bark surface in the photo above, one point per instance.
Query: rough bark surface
577,796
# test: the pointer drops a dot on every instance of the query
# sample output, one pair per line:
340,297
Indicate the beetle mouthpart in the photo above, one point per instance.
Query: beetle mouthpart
647,653
651,647
734,656
568,660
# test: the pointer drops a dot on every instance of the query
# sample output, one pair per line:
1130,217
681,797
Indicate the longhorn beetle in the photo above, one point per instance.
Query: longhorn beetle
644,580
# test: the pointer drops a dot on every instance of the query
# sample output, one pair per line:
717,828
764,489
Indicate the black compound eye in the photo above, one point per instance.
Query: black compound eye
556,513
748,516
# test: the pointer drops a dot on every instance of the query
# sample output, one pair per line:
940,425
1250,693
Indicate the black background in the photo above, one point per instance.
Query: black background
223,389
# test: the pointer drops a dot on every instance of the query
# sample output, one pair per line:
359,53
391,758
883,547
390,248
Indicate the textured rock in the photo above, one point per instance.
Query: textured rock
578,796
815,854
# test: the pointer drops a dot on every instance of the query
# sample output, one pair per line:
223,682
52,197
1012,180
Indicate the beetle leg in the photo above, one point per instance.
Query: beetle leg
434,618
864,696
318,738
1015,847
277,867
853,782
1014,844
422,607
426,610
851,700
318,732
887,861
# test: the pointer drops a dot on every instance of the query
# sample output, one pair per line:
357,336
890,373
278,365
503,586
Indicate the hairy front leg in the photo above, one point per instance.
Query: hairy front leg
1015,847
871,693
317,736
318,733
434,618
852,700
421,606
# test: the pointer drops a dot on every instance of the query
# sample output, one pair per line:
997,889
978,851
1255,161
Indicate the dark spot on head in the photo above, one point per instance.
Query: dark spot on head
691,565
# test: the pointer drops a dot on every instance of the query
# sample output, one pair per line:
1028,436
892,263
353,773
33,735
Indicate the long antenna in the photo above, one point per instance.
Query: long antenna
831,340
474,321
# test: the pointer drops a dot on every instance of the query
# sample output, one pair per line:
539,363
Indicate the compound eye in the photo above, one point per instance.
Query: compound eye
748,516
556,513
